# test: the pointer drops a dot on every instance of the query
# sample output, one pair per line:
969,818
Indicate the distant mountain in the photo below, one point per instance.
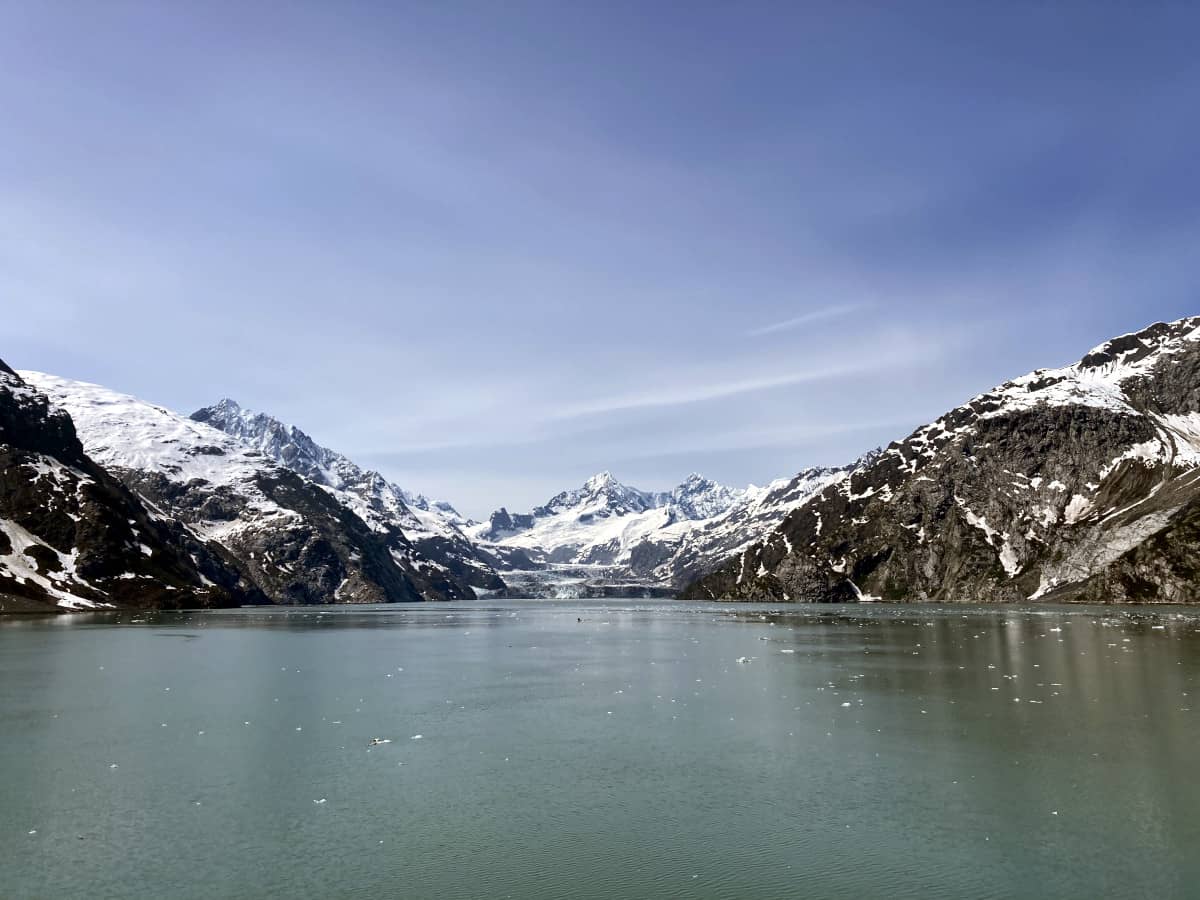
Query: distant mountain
432,527
296,540
72,537
679,554
1079,483
638,540
599,523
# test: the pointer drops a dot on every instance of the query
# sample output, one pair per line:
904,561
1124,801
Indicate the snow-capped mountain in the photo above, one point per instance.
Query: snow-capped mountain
73,537
639,540
433,527
680,554
296,540
600,522
699,498
1077,483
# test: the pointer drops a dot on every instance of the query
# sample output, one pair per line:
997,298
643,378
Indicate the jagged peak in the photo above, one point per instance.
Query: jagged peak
227,410
227,403
600,480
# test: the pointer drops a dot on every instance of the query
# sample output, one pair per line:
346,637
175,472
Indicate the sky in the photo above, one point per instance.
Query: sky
492,248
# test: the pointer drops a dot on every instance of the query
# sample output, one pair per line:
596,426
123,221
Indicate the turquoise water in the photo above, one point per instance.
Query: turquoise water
855,752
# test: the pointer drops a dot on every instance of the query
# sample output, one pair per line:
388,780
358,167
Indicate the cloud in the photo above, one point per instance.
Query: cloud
816,315
698,393
758,439
894,352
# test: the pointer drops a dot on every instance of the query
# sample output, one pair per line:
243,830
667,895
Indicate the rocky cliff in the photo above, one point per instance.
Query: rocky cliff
1079,483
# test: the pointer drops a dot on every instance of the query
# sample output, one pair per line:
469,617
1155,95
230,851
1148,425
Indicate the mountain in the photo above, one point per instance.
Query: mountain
1080,483
599,523
432,527
71,536
678,555
299,542
606,537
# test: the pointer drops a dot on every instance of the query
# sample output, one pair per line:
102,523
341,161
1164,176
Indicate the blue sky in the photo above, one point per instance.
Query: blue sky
491,248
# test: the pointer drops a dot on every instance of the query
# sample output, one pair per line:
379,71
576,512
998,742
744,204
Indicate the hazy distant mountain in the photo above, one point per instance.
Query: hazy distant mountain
1078,483
432,527
73,537
296,540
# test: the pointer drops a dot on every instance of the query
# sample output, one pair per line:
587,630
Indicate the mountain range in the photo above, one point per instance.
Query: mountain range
1077,483
606,533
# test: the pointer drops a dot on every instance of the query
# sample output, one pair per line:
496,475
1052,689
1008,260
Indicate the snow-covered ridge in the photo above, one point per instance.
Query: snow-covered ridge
1102,379
376,500
73,537
433,527
1098,379
121,432
342,536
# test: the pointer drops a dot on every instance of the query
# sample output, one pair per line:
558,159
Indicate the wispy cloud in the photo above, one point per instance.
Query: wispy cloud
757,439
889,351
698,393
808,318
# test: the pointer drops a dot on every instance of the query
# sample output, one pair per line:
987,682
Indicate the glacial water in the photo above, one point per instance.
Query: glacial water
619,749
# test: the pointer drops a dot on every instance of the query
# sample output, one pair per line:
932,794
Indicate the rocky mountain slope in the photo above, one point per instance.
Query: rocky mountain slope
1080,483
297,541
432,527
606,536
73,537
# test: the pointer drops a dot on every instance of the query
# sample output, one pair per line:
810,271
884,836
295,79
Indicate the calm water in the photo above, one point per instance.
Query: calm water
858,752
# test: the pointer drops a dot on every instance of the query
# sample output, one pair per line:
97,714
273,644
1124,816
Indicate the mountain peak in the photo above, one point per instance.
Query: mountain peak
599,481
698,497
227,404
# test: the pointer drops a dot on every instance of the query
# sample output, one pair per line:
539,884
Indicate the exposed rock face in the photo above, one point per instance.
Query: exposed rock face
297,541
504,524
433,528
72,537
1079,483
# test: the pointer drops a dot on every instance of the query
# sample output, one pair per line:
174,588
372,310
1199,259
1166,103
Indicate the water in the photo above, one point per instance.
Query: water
626,755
